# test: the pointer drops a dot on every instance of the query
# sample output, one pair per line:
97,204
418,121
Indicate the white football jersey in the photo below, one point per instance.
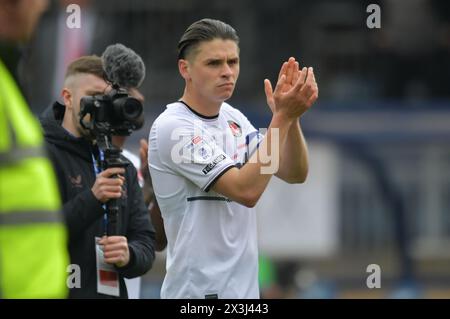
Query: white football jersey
212,241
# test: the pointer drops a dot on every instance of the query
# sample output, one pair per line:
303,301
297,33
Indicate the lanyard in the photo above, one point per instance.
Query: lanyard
97,170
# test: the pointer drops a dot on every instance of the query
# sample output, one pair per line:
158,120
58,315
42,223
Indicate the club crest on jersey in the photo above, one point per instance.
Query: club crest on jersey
235,128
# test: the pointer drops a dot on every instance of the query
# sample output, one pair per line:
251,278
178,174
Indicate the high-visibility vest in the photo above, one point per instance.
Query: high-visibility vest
33,238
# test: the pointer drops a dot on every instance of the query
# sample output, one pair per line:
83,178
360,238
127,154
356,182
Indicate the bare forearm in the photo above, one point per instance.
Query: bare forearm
251,180
294,156
294,94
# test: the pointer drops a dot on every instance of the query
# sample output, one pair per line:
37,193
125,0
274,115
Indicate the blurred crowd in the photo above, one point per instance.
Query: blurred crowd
407,58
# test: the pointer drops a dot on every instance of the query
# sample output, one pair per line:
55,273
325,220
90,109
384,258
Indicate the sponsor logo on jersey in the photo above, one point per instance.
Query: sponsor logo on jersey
213,164
204,152
235,128
197,150
196,140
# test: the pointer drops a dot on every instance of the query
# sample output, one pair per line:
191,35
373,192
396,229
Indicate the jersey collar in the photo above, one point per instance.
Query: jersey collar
198,114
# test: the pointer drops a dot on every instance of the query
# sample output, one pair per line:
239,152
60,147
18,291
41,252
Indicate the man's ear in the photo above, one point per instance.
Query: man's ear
67,97
183,68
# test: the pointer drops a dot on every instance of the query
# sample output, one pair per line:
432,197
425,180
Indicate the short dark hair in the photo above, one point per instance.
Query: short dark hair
204,30
90,64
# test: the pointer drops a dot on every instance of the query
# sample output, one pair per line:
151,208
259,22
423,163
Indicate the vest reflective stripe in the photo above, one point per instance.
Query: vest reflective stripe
25,218
33,239
17,154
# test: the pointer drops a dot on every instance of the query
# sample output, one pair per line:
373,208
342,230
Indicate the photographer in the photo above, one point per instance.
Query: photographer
105,262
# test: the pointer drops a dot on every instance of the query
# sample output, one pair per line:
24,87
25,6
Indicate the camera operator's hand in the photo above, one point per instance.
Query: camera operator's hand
115,250
107,187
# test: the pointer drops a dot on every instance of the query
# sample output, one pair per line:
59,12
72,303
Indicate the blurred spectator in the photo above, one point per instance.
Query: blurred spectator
55,42
268,280
145,181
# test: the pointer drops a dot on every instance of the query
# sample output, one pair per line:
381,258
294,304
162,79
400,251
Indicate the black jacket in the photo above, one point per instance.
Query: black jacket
73,162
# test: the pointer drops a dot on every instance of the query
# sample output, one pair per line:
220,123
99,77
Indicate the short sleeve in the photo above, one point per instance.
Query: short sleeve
186,148
253,137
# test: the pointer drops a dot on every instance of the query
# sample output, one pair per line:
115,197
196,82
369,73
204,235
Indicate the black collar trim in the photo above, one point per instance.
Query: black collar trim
198,114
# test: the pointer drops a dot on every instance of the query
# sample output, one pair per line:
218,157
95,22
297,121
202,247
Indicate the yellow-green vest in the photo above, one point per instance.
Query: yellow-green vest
33,238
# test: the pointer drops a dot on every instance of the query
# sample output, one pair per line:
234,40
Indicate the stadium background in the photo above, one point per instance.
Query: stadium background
379,186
